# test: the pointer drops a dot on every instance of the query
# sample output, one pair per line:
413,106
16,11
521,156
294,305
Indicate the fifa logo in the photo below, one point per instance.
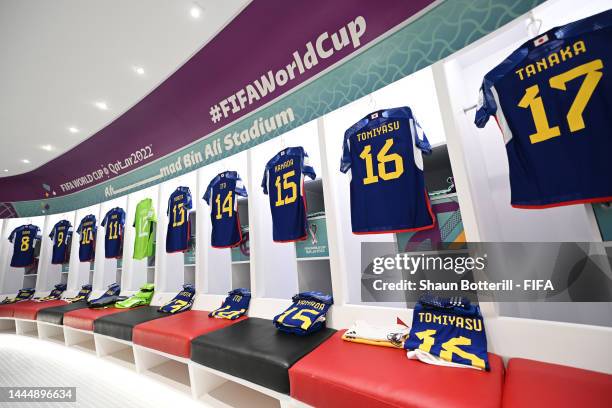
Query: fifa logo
312,230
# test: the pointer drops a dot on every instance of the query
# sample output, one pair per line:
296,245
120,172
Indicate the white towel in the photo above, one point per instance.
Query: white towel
428,358
363,330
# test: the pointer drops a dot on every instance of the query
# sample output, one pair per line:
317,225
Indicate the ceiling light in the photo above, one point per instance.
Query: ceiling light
101,105
47,147
139,70
26,161
6,170
195,12
72,129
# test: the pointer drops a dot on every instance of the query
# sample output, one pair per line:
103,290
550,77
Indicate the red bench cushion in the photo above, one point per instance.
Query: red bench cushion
7,310
173,334
83,318
29,310
536,384
343,374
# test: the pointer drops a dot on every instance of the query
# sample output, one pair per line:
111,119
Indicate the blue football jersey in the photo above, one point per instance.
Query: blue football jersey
283,181
182,302
221,194
306,315
552,101
22,295
55,294
114,220
179,226
83,294
108,298
87,244
383,153
61,235
23,238
453,331
234,306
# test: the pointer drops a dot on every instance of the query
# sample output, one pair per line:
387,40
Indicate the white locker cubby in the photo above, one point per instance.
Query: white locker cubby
171,270
141,271
13,279
106,270
81,273
219,274
418,91
50,274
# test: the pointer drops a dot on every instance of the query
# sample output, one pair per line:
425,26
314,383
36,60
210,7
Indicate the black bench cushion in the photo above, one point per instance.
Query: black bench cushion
55,315
255,351
120,325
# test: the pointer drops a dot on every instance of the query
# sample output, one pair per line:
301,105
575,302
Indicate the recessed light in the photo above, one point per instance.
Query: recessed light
195,12
47,147
26,161
72,129
6,170
101,105
139,70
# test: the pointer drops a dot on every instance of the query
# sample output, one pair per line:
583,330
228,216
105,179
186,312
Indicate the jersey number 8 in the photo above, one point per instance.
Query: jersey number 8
25,243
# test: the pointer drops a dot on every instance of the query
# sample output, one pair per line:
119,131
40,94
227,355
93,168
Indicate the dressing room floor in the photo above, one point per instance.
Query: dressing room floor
30,362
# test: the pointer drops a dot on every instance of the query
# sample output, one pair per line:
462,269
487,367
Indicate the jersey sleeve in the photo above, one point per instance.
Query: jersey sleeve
94,227
188,200
12,236
345,160
80,228
151,215
206,196
169,205
240,189
122,219
420,139
307,169
487,102
105,219
264,181
52,233
486,105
